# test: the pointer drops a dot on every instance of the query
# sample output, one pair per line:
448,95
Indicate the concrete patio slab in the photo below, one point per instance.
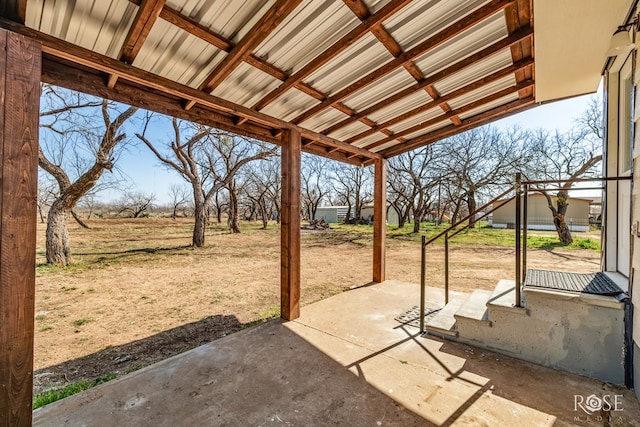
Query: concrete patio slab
347,362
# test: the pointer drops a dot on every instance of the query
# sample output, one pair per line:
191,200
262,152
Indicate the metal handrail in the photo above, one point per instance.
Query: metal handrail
522,188
445,233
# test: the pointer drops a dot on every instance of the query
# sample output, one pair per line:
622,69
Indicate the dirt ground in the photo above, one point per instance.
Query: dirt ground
138,293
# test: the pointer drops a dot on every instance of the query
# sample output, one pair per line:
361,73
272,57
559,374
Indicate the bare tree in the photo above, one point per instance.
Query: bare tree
411,182
76,147
135,204
179,195
479,161
353,187
228,155
196,157
567,156
260,180
46,195
220,204
314,183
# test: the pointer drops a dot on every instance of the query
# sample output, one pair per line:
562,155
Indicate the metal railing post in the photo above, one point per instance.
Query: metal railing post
423,266
524,231
446,268
518,227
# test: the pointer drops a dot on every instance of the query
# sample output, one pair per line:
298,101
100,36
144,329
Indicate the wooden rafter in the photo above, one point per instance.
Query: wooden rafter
148,13
360,9
458,111
436,40
260,31
84,57
467,124
475,85
518,15
15,10
434,78
388,10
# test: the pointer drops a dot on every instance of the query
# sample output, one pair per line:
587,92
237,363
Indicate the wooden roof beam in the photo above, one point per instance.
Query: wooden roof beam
93,60
518,15
360,9
148,13
440,75
513,107
14,10
382,127
458,111
260,31
441,37
351,37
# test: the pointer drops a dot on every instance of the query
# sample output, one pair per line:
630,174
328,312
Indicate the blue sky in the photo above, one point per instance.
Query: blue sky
147,175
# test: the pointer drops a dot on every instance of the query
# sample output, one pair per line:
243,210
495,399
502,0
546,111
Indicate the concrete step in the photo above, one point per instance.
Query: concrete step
475,308
503,298
444,323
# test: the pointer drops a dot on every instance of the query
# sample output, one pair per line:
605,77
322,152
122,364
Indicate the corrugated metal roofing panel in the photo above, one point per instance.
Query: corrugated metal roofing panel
177,55
361,58
290,105
428,130
321,121
422,19
310,30
379,90
471,41
98,25
349,130
246,85
489,106
229,18
393,110
375,5
475,72
370,139
415,120
487,90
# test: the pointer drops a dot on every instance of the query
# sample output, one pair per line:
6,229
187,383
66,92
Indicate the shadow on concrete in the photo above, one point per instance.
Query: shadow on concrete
137,354
262,375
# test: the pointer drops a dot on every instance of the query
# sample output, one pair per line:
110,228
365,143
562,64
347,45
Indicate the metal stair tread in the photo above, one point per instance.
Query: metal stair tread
444,322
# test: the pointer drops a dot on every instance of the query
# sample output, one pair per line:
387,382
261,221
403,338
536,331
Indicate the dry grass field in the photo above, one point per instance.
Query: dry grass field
137,292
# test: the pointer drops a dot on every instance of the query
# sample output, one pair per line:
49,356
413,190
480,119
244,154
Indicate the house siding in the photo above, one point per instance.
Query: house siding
635,221
539,216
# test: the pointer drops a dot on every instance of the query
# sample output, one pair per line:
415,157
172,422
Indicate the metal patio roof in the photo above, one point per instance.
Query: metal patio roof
360,79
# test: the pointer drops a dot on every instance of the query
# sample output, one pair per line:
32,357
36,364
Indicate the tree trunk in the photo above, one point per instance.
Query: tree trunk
471,205
200,223
234,225
564,234
265,216
416,225
58,244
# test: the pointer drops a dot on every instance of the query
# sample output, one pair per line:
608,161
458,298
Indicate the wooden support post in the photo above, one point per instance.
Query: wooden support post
379,219
290,226
20,69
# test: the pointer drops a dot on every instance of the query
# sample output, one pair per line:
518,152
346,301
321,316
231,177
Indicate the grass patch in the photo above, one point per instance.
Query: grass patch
270,313
50,396
82,321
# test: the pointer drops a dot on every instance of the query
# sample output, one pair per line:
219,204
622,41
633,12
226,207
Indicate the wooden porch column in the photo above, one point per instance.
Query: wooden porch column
290,226
20,69
379,219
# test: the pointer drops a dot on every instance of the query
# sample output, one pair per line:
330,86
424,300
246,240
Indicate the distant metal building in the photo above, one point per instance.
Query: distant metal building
539,216
331,213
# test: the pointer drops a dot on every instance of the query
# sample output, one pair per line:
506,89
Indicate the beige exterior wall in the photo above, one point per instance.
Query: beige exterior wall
539,215
635,220
392,215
